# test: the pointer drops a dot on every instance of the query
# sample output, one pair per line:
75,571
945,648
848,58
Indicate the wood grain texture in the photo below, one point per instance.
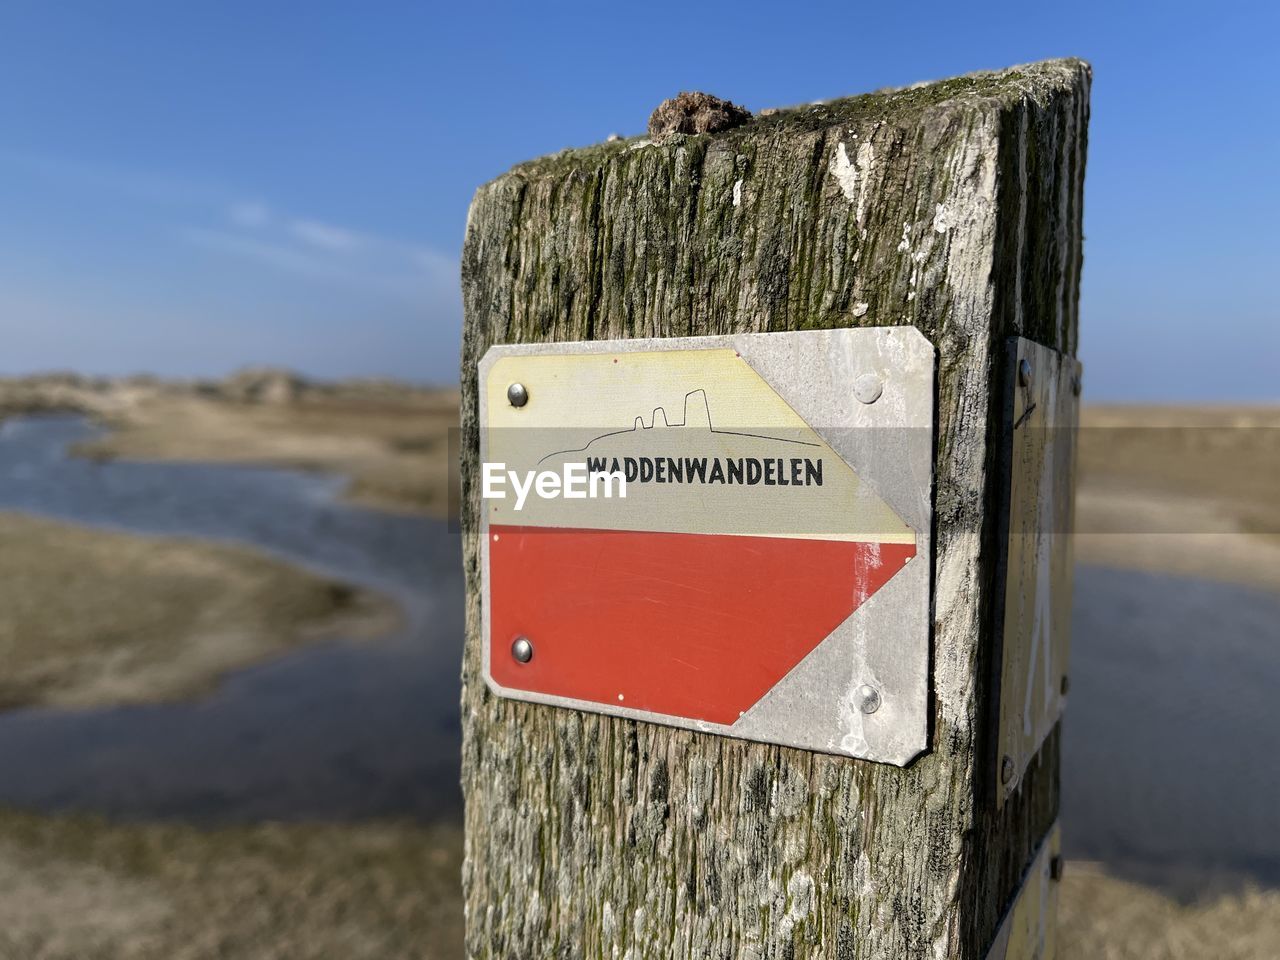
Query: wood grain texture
955,207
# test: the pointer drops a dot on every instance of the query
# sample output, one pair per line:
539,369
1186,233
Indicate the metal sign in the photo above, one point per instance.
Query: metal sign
1029,929
1042,412
728,534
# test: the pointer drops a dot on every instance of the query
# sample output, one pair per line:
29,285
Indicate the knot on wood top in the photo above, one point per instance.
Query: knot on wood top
695,113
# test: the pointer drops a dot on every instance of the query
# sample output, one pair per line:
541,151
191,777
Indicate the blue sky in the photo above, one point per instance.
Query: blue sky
187,188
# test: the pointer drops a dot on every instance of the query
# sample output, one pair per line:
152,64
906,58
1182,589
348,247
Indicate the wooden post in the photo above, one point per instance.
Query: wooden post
954,207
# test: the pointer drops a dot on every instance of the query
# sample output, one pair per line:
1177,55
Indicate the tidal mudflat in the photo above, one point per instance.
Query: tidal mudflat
170,793
306,804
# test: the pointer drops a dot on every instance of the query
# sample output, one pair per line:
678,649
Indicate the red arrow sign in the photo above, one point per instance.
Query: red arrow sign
722,590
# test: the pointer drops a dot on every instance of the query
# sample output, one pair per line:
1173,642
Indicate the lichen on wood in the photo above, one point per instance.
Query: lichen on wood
953,206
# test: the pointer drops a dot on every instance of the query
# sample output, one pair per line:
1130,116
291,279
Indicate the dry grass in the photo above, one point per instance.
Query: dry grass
91,617
1103,918
79,888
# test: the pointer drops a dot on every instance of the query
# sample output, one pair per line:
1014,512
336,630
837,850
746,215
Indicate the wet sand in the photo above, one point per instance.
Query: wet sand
93,618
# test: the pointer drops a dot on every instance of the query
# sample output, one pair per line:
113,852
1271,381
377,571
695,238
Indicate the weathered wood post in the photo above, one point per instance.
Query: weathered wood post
954,208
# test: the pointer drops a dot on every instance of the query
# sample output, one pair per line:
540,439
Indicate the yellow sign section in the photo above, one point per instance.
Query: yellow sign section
697,439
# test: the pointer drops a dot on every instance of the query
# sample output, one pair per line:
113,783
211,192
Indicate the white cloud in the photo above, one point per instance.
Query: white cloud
325,235
326,253
288,269
386,269
251,248
249,213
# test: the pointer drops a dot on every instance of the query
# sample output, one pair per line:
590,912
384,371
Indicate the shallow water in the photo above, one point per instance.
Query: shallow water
1171,739
1171,751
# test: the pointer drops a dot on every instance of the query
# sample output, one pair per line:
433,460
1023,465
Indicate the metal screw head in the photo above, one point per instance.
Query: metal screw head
522,650
1025,372
517,395
867,388
868,699
1006,769
1056,866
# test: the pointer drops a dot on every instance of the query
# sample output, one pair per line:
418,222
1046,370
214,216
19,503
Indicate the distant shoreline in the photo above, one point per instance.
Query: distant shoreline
1169,489
390,439
1180,490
